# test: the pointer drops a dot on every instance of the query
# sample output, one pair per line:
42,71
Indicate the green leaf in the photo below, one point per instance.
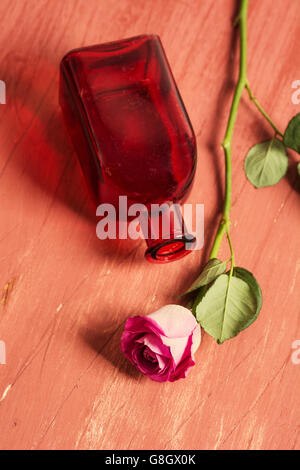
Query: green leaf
291,136
200,294
210,272
298,168
230,305
248,277
266,163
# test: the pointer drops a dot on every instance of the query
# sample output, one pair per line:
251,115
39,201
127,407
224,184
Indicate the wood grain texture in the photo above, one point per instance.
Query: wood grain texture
66,385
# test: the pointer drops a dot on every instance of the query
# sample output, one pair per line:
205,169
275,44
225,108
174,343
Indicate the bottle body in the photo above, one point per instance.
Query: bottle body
128,124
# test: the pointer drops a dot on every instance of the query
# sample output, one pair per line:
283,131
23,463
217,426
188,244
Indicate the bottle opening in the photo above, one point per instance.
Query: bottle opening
169,250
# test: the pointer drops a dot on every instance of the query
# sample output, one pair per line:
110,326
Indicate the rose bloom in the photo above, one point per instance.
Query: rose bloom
162,345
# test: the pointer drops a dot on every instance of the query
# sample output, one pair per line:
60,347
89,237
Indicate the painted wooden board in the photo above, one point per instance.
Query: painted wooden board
65,294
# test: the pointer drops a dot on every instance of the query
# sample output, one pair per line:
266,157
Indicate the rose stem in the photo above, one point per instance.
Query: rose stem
242,83
227,142
261,110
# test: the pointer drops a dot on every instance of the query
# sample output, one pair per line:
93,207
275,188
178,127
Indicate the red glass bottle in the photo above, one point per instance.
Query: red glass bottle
130,130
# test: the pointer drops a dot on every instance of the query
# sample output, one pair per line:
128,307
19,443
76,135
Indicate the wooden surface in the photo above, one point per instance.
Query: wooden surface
66,295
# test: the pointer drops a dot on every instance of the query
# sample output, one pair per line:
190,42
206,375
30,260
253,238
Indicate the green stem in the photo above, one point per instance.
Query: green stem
242,83
232,252
218,239
227,142
261,110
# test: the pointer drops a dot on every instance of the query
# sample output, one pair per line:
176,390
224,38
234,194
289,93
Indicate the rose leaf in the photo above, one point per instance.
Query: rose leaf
291,136
230,304
209,273
266,163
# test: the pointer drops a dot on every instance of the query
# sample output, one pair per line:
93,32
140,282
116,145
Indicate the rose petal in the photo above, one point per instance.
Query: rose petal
162,362
142,325
155,343
163,375
174,320
145,366
187,362
177,347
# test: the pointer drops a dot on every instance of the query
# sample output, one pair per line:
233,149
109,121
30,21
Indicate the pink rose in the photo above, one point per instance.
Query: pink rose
162,345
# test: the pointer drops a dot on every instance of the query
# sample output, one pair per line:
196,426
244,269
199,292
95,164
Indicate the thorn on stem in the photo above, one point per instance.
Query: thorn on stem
236,21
